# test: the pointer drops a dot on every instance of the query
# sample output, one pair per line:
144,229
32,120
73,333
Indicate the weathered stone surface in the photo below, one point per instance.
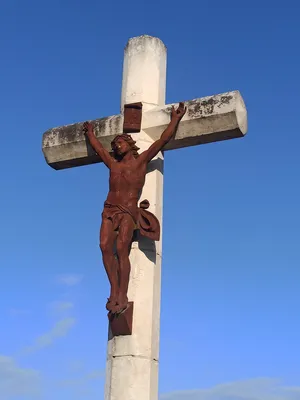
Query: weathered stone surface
66,146
131,378
208,119
144,66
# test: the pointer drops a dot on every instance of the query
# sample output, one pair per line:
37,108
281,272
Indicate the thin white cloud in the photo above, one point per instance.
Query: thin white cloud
82,381
252,389
60,329
75,365
61,307
293,389
16,381
69,279
95,375
84,386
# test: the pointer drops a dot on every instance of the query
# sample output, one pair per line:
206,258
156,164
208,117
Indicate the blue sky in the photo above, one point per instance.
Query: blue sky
230,292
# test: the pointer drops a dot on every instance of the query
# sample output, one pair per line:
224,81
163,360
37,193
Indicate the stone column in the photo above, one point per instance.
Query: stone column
132,361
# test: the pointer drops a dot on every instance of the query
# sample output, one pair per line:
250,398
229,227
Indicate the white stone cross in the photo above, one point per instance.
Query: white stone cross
132,361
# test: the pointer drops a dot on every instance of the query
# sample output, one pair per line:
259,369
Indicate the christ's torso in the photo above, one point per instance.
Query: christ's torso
126,181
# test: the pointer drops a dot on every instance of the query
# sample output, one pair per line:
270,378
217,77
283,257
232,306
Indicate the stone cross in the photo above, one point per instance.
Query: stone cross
132,361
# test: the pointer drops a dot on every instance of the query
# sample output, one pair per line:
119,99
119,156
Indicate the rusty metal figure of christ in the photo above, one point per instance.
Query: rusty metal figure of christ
122,215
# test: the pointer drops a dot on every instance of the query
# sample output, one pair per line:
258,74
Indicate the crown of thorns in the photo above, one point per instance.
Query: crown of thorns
129,140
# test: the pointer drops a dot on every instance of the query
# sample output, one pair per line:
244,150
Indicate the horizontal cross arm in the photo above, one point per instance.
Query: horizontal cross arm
67,146
208,119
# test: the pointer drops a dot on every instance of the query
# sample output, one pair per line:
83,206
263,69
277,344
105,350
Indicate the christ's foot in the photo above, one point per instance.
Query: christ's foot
121,304
111,304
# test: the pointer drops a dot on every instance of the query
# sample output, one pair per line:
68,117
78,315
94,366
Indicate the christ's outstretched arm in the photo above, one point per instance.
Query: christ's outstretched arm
97,146
166,136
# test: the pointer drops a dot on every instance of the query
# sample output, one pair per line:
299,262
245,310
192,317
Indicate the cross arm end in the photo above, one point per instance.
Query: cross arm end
208,119
66,146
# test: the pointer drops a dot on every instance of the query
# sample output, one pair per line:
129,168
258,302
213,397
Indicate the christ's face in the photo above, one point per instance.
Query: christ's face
122,147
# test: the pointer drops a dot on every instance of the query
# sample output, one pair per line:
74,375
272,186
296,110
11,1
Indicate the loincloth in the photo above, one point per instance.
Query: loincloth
115,213
144,220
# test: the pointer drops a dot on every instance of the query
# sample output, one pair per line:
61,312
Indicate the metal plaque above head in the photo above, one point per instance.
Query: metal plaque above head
132,118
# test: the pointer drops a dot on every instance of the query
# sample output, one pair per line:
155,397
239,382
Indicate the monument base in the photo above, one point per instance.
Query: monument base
121,324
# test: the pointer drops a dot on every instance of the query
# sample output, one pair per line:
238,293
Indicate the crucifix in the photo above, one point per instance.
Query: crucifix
145,120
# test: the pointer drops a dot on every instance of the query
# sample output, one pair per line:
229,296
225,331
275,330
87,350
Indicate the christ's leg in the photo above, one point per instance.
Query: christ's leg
107,240
124,240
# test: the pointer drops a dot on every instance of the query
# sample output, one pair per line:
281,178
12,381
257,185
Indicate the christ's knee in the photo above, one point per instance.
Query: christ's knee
122,248
106,246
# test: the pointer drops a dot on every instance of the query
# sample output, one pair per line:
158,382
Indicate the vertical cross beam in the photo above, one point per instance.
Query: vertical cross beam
132,361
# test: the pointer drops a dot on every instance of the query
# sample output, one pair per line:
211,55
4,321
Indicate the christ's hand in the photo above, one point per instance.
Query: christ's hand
179,113
166,136
88,129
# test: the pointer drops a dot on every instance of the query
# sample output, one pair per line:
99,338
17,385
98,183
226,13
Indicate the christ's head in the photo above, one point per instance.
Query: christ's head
122,145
